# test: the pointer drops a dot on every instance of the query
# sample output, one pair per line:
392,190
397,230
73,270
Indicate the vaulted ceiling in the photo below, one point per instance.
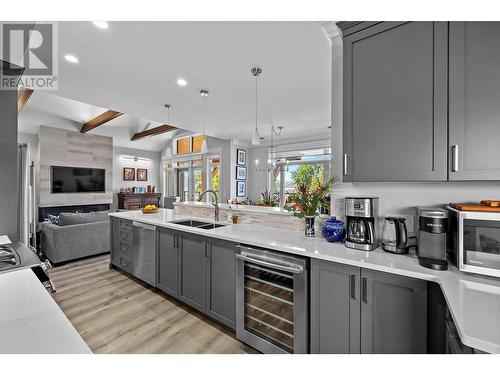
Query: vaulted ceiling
133,67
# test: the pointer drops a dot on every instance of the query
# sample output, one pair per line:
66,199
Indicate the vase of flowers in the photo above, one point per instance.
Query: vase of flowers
307,200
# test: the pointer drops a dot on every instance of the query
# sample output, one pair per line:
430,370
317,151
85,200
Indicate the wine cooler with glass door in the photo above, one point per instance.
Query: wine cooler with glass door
272,300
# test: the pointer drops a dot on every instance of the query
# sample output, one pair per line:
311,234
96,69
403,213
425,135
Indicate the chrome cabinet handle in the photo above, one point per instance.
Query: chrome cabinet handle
365,290
454,152
345,165
292,269
353,286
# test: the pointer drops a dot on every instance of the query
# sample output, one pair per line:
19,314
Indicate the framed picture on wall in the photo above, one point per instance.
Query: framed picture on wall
241,157
142,174
241,189
128,174
241,173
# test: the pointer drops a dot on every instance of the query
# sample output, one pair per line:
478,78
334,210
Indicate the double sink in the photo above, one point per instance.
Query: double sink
198,224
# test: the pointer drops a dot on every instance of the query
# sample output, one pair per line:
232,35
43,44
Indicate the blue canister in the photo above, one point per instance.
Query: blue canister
333,230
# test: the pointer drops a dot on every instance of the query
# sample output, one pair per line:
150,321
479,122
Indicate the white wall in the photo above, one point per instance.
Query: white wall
119,162
395,198
32,141
257,181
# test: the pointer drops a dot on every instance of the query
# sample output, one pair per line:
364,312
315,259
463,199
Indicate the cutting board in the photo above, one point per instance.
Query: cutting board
474,207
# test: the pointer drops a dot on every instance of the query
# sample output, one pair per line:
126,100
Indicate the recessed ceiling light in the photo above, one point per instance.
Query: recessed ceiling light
101,24
182,82
71,58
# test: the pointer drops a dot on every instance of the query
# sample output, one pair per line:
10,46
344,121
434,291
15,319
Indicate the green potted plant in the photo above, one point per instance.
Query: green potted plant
307,200
268,199
235,218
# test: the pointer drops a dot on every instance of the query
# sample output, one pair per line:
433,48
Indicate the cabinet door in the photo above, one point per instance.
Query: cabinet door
115,240
221,282
474,101
192,270
393,314
168,262
395,102
335,309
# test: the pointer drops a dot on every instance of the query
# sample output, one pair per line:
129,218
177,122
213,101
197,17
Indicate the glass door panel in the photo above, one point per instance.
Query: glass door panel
269,304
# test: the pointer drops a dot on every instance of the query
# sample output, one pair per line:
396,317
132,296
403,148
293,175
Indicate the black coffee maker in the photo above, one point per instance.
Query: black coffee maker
432,233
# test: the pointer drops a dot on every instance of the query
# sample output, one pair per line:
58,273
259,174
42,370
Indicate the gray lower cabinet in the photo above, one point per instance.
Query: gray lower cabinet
114,238
168,262
393,313
335,309
357,310
474,97
199,271
395,102
221,282
193,270
121,244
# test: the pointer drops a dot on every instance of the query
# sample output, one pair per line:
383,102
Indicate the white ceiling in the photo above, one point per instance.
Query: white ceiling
133,67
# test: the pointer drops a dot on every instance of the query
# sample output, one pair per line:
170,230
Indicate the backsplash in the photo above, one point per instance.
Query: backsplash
402,198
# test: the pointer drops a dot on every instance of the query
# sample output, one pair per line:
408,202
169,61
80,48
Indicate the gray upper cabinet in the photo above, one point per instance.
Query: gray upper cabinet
221,282
193,270
474,101
395,102
335,308
168,262
393,314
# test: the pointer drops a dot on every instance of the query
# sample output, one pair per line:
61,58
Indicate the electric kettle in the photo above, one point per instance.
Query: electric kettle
395,235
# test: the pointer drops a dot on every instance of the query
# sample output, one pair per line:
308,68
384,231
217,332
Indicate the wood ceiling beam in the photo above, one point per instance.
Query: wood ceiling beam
152,132
24,96
100,120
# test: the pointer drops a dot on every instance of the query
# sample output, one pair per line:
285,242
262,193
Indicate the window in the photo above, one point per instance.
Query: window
183,146
196,142
310,167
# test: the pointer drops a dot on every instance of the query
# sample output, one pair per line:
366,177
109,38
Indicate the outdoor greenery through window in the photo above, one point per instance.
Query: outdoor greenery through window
311,167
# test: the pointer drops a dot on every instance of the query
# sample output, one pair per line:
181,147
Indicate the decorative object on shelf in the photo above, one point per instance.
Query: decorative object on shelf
256,72
267,198
234,218
241,173
204,146
241,157
142,174
306,201
333,230
241,188
128,174
149,189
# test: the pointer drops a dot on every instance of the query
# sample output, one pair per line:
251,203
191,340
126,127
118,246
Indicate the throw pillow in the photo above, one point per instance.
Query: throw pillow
54,219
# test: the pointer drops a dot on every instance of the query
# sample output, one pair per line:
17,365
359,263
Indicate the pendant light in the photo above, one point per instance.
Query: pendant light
256,72
204,146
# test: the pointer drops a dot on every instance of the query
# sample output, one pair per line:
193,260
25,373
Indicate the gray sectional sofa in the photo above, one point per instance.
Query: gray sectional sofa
76,236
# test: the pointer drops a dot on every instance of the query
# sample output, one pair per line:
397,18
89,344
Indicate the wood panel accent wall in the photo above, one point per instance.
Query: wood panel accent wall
72,149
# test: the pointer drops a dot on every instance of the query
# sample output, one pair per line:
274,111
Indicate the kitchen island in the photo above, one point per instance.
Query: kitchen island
30,320
473,301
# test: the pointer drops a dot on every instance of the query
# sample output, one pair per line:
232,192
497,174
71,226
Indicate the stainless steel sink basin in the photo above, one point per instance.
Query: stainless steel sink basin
198,224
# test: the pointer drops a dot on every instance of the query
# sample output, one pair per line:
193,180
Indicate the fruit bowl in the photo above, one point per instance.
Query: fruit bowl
150,210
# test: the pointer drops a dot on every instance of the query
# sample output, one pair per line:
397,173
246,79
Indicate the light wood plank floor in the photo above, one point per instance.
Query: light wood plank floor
115,313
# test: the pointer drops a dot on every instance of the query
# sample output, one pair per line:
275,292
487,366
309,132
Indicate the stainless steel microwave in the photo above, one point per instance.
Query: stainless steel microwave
474,241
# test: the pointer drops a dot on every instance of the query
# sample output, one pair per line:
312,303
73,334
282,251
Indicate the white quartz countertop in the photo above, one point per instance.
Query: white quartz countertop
237,207
30,320
473,301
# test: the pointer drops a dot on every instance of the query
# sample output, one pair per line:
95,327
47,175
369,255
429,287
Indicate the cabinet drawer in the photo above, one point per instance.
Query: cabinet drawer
126,225
125,263
125,237
125,249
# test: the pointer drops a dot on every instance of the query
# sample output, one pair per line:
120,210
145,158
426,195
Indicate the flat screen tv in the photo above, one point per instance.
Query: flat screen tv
77,180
